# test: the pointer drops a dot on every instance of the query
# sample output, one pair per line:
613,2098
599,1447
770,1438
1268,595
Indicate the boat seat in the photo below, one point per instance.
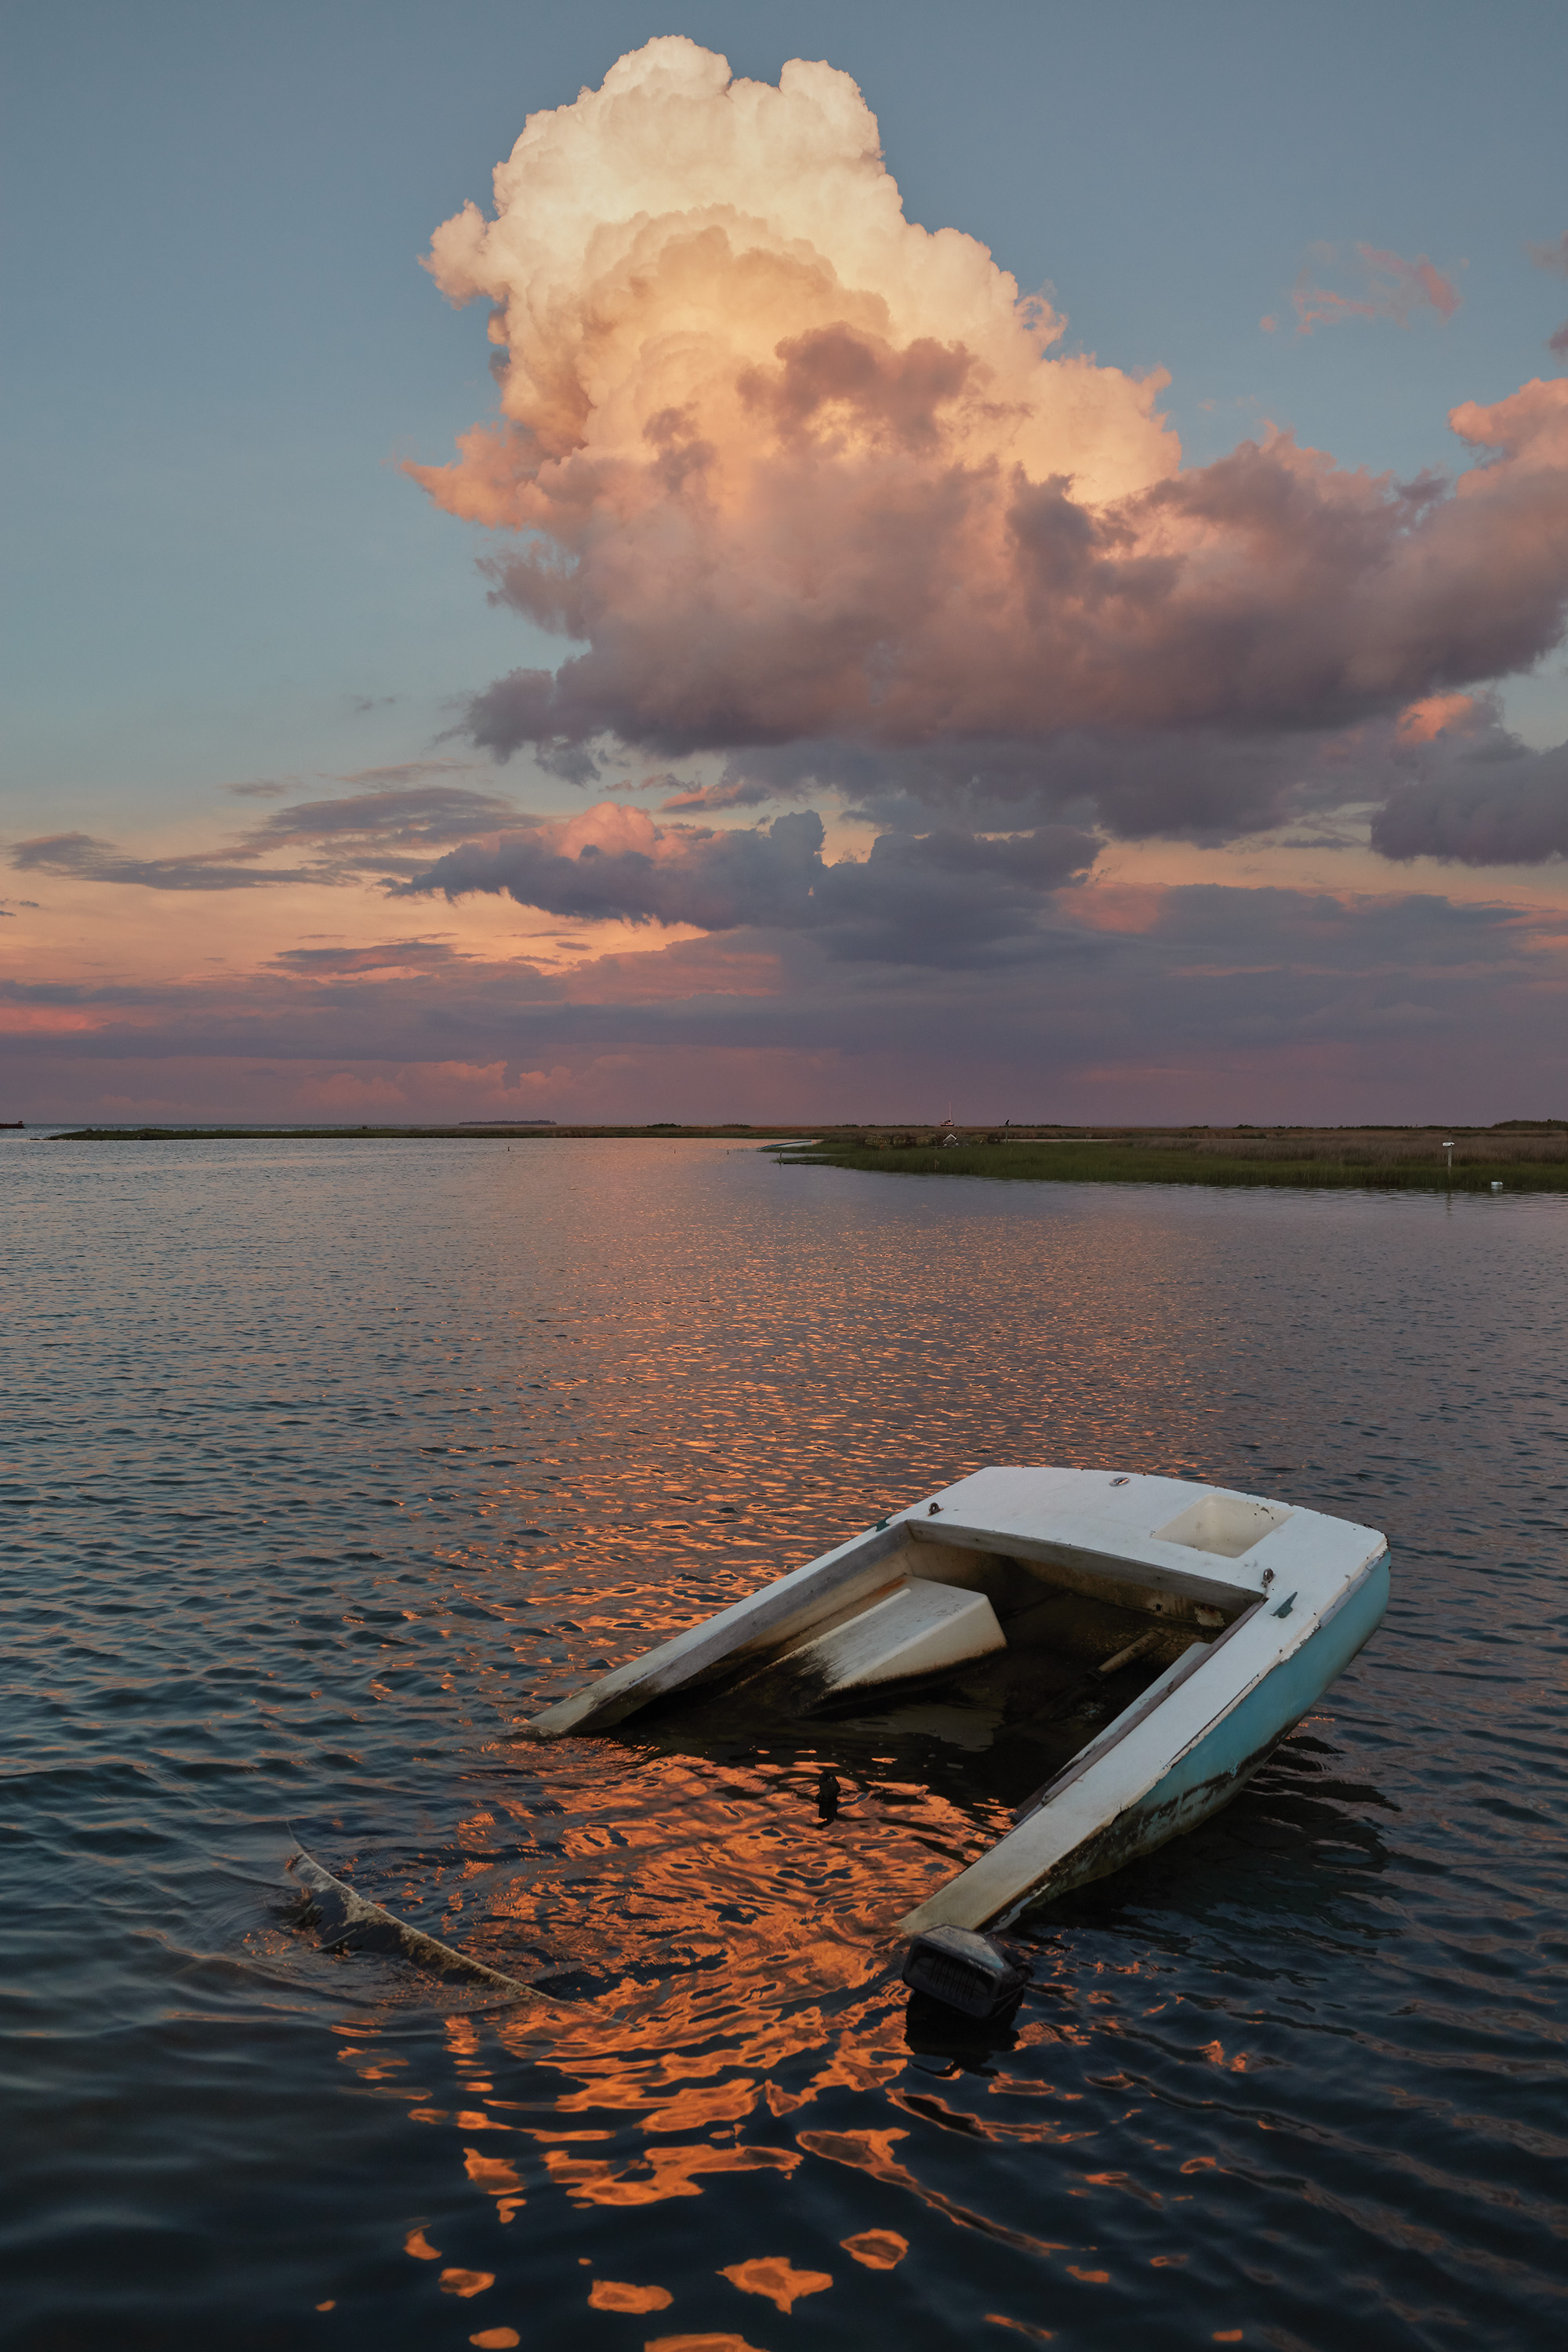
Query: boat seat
920,1630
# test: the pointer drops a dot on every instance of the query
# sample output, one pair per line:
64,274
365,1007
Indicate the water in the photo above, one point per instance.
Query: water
328,1463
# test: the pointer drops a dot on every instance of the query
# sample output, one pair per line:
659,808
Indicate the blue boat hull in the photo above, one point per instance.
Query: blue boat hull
1224,1760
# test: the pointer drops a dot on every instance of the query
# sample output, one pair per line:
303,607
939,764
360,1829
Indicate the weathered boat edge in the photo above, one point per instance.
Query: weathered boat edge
850,1573
1201,1779
350,1921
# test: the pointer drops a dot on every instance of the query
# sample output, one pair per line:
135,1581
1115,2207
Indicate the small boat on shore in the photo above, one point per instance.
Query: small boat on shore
1146,1642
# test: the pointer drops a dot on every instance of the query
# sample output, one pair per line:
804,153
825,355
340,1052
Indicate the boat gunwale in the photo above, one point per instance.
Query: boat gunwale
1118,1567
688,1659
1196,1655
1103,1751
776,1606
1193,1660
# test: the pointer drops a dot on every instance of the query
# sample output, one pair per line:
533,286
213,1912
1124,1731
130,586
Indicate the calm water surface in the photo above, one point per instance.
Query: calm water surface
326,1463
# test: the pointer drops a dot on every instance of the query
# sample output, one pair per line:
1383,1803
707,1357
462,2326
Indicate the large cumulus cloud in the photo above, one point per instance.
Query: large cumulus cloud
797,473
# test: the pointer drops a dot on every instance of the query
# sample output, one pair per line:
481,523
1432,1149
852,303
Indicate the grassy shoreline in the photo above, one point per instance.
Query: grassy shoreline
1076,1161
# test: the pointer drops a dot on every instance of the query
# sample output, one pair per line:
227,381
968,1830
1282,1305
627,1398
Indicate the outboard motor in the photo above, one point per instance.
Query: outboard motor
966,1972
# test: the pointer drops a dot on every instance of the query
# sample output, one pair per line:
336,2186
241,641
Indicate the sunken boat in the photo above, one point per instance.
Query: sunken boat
1149,1641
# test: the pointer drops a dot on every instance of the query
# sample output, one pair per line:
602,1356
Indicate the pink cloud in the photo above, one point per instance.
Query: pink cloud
1425,720
900,601
1394,288
805,484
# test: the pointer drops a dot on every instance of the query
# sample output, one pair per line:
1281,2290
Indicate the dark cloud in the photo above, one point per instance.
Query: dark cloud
79,856
941,898
389,956
384,828
1484,801
79,992
945,898
1198,783
635,874
731,792
387,818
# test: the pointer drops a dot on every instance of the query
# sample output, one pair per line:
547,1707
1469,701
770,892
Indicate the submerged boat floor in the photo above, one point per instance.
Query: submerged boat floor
998,1730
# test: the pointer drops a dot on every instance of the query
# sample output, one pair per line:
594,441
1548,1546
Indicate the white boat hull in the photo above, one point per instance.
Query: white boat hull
1258,1604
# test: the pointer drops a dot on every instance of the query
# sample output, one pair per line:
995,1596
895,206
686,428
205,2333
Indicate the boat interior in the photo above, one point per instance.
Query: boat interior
984,1667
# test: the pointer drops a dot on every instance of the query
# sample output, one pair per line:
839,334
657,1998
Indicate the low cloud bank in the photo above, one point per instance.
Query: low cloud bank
1196,1002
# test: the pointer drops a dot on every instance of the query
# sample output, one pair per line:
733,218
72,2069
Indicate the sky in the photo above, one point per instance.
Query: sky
784,562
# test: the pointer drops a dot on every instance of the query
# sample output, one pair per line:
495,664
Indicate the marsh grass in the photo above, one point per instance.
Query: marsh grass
1393,1159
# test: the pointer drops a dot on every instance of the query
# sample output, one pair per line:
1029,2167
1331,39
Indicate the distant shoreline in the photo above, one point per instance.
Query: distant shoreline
1521,1155
472,1132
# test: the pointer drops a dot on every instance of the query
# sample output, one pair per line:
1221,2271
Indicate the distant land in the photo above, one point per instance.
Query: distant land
468,1130
1519,1155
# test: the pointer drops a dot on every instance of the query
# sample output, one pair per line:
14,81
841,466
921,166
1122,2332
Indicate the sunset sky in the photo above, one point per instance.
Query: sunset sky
786,562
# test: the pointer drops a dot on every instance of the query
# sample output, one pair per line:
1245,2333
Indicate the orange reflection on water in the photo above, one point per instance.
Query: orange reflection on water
772,2275
722,1953
699,2344
661,2172
613,2294
498,2179
467,2282
879,2249
726,2103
